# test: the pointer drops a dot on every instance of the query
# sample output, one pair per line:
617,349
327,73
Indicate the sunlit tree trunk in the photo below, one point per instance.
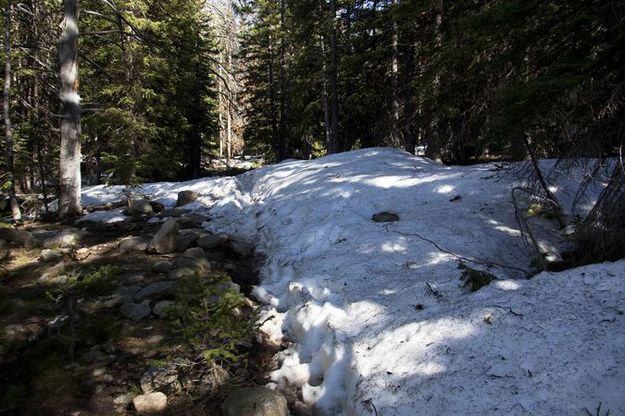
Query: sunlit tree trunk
69,187
395,132
15,209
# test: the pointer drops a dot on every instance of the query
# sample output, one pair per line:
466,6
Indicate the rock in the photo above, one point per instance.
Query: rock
186,240
157,207
66,238
194,253
135,311
161,309
134,279
228,286
182,273
186,197
141,207
127,293
156,291
53,271
133,244
163,379
241,248
15,235
255,401
385,217
213,380
192,220
123,400
174,212
165,239
54,280
151,403
48,255
212,241
162,266
195,264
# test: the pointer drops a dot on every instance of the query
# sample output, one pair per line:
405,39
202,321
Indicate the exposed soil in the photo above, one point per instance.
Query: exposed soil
65,348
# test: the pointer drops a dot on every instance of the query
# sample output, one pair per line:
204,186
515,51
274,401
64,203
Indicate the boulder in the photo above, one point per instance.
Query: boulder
212,241
191,263
255,401
141,207
192,220
151,403
156,291
174,212
186,240
133,244
157,207
241,248
186,197
64,239
162,266
182,273
136,311
16,235
48,255
194,253
163,379
165,239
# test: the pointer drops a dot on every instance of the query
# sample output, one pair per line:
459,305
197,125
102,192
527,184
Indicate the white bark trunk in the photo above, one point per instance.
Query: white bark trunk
69,192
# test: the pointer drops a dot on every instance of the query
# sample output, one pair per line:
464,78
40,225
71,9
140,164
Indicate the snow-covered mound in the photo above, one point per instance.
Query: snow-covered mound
379,319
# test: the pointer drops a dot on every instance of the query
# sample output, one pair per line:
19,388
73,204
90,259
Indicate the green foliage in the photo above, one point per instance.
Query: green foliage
208,316
474,279
98,282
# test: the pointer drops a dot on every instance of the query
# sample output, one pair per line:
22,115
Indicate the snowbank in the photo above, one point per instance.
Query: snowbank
376,312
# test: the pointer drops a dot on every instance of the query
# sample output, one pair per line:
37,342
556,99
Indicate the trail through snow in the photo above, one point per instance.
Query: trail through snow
376,312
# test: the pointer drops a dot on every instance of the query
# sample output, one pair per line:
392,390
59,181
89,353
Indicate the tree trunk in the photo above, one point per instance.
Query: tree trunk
15,209
333,96
434,140
284,88
69,186
395,132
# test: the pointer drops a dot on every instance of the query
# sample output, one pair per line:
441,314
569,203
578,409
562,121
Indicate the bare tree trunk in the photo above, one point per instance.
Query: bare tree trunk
284,88
69,192
324,95
334,112
15,208
435,145
272,100
395,133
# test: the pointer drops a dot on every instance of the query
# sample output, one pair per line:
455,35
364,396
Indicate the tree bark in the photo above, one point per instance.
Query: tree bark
15,209
395,131
69,186
333,96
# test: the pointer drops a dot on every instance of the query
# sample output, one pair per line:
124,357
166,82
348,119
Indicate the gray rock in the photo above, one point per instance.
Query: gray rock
194,253
141,207
192,220
195,264
128,293
174,212
385,217
54,280
134,279
151,403
255,401
136,311
123,400
66,238
50,255
162,266
241,248
228,286
163,379
186,197
133,244
53,271
156,291
157,207
212,241
182,273
165,239
186,240
161,309
15,235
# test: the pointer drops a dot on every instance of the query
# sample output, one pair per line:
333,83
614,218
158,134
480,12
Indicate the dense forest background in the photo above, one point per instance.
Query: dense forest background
167,85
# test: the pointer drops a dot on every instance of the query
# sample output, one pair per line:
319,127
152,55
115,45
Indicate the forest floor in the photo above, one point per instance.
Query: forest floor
70,345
